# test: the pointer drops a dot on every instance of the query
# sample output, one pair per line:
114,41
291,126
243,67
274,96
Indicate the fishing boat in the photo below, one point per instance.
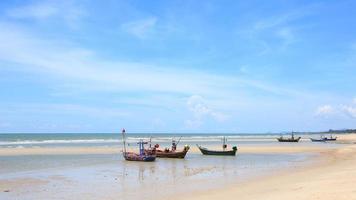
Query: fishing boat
291,139
224,152
324,139
330,139
141,156
167,153
170,153
318,140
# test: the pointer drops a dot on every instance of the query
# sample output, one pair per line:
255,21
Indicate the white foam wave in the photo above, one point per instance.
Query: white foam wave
38,142
155,139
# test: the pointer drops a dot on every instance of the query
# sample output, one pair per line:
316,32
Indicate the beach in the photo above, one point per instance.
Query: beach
331,177
267,169
177,100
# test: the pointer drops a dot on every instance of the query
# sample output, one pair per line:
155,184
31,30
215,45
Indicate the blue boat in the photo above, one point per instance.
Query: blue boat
324,139
142,156
331,138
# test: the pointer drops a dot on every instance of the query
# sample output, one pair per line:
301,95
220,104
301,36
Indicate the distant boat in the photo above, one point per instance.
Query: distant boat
291,139
318,140
142,156
324,139
170,153
224,152
331,138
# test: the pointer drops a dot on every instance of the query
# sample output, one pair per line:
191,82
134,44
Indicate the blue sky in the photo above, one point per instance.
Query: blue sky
177,66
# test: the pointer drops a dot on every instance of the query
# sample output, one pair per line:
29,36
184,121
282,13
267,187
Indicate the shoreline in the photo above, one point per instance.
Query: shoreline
327,170
331,176
117,150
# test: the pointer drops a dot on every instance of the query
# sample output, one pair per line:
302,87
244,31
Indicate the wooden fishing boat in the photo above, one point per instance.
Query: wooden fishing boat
172,154
291,139
224,152
169,153
142,156
206,151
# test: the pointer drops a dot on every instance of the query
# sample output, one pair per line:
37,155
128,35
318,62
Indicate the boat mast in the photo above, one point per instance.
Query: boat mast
150,141
142,150
224,143
179,140
124,140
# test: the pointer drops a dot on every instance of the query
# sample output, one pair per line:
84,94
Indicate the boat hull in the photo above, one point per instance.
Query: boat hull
179,154
205,151
317,140
288,140
136,157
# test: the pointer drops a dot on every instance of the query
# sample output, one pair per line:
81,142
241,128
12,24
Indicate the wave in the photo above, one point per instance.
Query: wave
210,138
34,142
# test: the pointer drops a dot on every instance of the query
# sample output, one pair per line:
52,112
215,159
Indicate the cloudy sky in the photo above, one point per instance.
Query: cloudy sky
177,66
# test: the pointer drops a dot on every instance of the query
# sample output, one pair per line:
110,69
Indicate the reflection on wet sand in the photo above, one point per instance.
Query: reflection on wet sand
105,176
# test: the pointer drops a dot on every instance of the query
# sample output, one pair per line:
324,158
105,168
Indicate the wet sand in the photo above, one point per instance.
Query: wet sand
306,170
275,148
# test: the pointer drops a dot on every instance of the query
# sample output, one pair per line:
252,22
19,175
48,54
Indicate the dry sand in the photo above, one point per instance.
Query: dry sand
332,177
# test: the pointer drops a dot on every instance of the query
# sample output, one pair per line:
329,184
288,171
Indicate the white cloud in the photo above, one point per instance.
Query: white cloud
77,70
80,68
324,110
349,110
196,104
327,110
140,28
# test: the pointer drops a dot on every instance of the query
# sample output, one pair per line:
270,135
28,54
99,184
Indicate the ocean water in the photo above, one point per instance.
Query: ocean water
109,139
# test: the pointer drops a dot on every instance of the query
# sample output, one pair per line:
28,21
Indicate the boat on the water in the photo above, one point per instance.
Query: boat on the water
169,153
324,139
318,140
224,152
331,138
141,156
291,139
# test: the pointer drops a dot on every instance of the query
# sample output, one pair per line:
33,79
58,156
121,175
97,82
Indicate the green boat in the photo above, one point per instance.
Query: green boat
224,152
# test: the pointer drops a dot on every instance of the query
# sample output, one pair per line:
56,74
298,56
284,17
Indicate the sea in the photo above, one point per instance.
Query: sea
20,140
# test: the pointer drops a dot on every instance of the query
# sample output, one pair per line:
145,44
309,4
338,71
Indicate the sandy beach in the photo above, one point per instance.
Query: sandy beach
331,177
177,100
271,171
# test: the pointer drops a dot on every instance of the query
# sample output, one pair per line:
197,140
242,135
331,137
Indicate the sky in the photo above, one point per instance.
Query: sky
212,66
